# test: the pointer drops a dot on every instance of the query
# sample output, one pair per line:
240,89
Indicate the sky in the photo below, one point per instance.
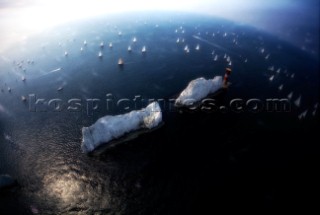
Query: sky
296,21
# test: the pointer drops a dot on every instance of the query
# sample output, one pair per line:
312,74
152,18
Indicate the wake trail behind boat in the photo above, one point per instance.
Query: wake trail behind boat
214,45
55,70
50,72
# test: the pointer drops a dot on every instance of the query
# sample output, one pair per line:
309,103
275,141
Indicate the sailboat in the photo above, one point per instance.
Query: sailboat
271,78
144,49
280,87
186,49
120,62
298,101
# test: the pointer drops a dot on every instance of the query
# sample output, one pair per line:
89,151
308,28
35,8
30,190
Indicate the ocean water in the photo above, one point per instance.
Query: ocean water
197,161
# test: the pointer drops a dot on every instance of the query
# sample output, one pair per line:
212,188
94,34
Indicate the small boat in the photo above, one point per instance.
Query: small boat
23,78
101,45
100,55
215,58
267,57
66,53
303,115
120,62
186,49
85,43
178,40
290,95
60,88
280,87
144,49
81,49
23,98
110,45
297,102
9,89
129,49
271,78
134,39
198,47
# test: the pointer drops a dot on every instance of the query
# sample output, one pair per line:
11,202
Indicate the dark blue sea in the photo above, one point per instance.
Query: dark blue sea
198,161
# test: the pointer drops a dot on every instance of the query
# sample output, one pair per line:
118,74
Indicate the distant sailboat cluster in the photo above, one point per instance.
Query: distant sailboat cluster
206,43
278,75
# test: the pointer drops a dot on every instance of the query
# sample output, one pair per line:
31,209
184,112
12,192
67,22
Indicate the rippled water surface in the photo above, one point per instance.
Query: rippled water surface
194,162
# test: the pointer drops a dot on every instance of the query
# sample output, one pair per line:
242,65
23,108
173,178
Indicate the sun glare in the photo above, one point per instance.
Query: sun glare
50,13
